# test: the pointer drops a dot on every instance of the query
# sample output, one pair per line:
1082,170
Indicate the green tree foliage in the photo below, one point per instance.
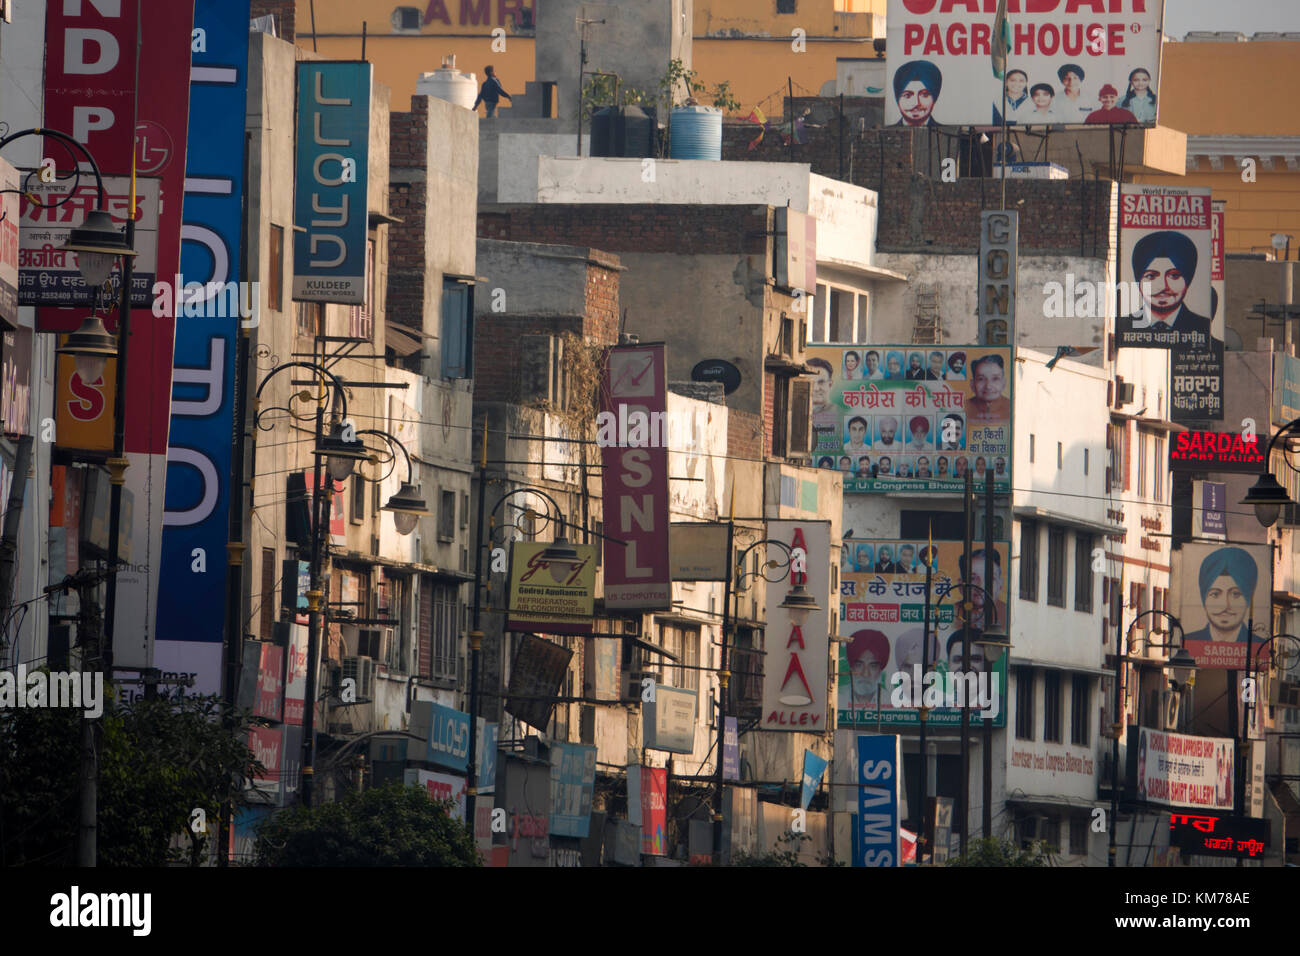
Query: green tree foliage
159,761
386,826
998,852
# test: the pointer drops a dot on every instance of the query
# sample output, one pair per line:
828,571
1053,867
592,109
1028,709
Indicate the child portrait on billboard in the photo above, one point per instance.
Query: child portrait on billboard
1140,99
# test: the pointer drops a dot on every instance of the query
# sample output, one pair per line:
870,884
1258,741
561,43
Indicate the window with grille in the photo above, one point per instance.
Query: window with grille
1029,560
361,318
1117,439
1158,470
1144,442
439,628
1024,703
309,318
1083,572
1080,705
1056,566
1052,706
684,644
1079,836
357,513
447,516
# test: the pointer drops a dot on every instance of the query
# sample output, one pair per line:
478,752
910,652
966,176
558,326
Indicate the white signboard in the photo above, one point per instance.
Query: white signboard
797,642
1178,770
1069,62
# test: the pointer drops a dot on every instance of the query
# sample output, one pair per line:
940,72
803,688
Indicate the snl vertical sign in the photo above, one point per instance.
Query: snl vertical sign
638,575
329,255
798,644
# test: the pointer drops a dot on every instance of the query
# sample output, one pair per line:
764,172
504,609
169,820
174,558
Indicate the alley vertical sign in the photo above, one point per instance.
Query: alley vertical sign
191,604
797,657
332,182
117,103
634,390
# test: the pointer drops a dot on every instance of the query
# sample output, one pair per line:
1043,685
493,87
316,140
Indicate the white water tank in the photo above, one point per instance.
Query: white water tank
450,84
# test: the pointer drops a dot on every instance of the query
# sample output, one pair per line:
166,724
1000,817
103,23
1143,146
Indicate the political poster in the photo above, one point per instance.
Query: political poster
909,418
1165,265
1218,590
1067,63
883,675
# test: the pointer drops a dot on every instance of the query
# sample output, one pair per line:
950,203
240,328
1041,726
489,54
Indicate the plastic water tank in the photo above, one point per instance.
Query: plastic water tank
634,132
602,125
450,84
695,132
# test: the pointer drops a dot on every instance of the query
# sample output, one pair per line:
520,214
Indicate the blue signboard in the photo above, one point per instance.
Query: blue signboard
730,749
209,304
448,738
879,799
573,780
330,177
813,768
488,739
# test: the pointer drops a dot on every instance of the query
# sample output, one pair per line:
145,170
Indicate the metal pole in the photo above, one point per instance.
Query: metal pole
88,798
724,681
118,464
1117,729
990,604
964,830
476,640
320,511
1243,744
921,711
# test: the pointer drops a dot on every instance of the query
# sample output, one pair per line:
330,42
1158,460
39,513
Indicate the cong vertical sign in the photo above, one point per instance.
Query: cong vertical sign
634,390
798,642
999,240
331,176
191,605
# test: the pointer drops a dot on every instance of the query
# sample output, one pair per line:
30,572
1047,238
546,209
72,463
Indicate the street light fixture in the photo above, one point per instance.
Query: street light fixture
1266,494
91,346
341,453
407,505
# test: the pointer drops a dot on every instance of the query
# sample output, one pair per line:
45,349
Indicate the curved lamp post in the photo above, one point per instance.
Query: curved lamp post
1266,494
1183,664
407,505
798,601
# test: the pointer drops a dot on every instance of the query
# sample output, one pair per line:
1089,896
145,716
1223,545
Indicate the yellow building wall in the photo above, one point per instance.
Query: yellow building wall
1237,89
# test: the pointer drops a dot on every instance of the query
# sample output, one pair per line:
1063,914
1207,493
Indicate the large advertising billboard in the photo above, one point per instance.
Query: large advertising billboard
92,92
798,641
549,593
1068,63
912,418
1197,371
1164,269
331,177
191,604
1177,770
1218,590
634,393
883,677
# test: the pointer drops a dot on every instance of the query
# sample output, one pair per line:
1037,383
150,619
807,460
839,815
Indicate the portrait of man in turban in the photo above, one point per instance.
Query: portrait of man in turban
1227,583
867,654
1164,264
916,89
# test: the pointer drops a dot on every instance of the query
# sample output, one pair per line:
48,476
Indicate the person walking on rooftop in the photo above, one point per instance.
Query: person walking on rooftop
491,92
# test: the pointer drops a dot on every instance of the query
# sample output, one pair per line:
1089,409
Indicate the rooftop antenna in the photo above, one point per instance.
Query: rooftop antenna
583,23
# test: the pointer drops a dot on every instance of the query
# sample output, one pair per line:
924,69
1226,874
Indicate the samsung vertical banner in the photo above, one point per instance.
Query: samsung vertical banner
1218,591
879,799
798,641
1068,62
634,455
91,92
331,177
191,603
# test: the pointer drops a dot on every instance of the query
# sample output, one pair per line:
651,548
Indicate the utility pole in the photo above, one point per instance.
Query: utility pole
583,23
990,603
969,526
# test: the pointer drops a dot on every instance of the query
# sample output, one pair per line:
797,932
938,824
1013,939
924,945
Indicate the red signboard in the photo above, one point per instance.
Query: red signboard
654,811
1209,835
270,682
1216,451
634,453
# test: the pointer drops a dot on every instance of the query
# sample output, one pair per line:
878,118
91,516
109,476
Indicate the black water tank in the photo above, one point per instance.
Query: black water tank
602,125
634,132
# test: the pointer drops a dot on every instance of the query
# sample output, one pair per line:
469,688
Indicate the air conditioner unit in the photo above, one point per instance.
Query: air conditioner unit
361,670
1169,701
1123,392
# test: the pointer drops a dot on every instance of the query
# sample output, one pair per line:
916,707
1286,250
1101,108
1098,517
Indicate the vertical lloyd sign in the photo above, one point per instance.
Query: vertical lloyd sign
999,238
637,570
329,257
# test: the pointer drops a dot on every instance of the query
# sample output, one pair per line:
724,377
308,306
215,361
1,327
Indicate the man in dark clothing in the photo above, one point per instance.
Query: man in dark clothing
491,92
